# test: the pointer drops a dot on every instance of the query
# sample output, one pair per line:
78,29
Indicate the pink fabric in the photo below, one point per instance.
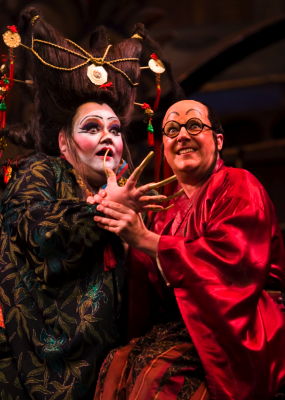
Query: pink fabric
218,250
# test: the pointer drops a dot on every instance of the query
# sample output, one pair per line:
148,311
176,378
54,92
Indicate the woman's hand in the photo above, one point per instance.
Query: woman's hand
127,224
133,197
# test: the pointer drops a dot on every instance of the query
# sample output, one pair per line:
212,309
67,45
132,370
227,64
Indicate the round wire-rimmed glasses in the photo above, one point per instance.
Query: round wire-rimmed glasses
193,126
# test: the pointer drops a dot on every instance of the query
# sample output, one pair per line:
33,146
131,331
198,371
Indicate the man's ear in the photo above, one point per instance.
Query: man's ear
62,144
220,141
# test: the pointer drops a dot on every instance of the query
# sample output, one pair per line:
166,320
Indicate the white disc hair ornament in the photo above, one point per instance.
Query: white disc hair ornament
97,74
156,65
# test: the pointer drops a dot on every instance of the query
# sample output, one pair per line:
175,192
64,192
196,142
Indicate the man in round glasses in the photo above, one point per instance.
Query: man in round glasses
191,140
217,249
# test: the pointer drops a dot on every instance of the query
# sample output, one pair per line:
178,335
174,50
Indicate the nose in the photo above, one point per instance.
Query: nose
183,134
106,136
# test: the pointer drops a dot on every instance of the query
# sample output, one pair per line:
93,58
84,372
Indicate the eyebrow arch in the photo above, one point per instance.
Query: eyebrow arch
97,116
172,112
190,109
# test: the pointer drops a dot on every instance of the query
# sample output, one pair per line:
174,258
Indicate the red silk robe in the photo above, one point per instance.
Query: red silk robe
218,251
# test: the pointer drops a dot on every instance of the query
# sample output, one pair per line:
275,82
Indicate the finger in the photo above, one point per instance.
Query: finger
107,228
153,207
157,198
141,190
97,199
113,212
163,209
104,163
102,193
90,200
122,209
174,195
162,183
138,171
111,176
106,221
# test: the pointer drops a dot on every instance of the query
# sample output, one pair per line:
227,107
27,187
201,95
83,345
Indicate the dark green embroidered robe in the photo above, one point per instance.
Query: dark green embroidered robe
60,301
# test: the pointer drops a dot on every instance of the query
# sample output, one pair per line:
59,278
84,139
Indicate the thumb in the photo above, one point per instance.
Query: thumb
90,199
111,176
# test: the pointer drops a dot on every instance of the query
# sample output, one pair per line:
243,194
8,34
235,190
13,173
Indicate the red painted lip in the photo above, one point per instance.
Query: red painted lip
107,158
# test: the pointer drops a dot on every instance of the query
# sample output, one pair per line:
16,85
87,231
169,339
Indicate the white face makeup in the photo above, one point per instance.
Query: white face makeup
96,129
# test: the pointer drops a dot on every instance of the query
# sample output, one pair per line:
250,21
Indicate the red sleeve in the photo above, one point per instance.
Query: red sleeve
218,280
233,251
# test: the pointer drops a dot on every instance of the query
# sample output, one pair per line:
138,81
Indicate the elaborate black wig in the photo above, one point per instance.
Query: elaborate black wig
58,93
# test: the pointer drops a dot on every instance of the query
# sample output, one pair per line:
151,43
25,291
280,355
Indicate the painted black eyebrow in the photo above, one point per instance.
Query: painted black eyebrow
98,116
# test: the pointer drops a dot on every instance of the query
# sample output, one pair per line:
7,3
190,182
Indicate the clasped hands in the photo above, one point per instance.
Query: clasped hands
121,205
130,195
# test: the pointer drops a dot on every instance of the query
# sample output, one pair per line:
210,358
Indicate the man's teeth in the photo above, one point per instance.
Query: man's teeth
188,150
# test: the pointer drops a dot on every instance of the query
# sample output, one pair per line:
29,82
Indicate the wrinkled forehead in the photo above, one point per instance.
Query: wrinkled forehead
186,109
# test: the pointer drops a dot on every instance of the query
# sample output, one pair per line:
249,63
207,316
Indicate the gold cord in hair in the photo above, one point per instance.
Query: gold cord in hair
106,52
86,56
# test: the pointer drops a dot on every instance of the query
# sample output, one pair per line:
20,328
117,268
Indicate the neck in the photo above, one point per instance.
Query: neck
190,187
95,183
87,188
191,181
92,180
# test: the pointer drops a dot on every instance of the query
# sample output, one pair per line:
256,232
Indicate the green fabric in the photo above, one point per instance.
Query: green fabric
61,306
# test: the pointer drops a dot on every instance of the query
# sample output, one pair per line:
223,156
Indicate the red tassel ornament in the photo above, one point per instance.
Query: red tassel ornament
7,173
3,109
110,261
12,39
149,113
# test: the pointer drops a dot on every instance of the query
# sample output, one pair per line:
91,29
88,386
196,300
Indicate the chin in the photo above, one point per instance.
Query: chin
186,166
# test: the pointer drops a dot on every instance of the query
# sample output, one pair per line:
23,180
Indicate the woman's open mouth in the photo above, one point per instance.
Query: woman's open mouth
102,152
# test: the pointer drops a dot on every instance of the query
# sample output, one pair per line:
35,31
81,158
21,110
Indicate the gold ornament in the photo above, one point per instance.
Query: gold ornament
11,39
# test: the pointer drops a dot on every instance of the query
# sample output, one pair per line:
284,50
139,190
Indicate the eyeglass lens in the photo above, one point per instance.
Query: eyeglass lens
193,126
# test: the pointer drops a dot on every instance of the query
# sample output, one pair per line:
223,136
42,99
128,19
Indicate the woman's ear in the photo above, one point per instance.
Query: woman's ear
62,144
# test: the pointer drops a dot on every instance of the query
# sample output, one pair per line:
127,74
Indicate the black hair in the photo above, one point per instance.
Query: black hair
214,120
58,93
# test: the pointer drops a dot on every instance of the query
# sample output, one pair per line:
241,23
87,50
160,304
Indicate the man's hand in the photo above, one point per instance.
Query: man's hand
127,224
